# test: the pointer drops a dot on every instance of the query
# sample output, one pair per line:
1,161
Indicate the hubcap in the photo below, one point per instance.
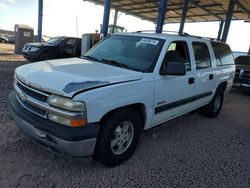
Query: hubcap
217,103
122,137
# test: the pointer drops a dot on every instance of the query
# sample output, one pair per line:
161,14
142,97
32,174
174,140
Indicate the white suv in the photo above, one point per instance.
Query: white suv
99,104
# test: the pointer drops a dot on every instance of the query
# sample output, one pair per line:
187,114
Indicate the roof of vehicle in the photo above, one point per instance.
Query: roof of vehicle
243,57
64,37
167,36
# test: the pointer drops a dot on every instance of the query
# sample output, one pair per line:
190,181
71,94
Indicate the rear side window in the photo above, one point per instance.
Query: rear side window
202,56
223,54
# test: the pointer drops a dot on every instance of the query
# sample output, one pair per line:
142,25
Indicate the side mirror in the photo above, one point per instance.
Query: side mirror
174,68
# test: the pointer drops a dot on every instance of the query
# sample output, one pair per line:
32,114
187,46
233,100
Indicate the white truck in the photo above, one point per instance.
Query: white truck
99,104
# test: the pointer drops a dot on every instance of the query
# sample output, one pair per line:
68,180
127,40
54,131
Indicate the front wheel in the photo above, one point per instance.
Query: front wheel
119,135
212,109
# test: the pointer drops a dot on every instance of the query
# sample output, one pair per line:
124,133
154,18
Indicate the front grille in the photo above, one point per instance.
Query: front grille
242,76
26,48
32,93
36,110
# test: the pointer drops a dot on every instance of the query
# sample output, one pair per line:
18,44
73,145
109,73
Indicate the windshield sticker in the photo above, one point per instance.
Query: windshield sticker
149,41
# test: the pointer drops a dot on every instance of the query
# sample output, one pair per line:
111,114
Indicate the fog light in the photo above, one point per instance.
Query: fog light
67,122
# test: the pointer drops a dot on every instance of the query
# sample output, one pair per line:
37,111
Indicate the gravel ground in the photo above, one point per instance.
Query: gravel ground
191,151
7,48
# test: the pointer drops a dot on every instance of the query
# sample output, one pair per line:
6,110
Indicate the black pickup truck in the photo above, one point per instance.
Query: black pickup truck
54,48
242,74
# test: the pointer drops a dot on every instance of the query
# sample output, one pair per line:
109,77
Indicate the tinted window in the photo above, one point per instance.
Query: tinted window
223,54
55,41
178,52
202,56
70,43
137,53
243,60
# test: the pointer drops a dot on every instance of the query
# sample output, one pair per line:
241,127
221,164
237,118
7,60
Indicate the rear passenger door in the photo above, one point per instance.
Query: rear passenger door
173,94
204,73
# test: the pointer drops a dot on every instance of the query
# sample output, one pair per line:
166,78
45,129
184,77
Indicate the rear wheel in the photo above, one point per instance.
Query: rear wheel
212,109
118,137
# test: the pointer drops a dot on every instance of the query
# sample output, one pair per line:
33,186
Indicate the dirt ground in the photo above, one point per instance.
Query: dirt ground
7,54
7,48
191,151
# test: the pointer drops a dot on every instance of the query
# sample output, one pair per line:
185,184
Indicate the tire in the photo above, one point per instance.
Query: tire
212,109
114,144
44,57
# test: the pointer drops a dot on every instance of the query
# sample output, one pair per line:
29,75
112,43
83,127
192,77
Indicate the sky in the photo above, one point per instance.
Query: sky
61,17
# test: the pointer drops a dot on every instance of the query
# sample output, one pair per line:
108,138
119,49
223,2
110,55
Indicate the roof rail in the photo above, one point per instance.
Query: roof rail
200,37
177,33
153,31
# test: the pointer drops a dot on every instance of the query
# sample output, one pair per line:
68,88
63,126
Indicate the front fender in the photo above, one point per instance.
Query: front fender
103,100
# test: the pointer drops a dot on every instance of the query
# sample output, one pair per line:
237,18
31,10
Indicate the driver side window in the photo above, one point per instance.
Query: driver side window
178,52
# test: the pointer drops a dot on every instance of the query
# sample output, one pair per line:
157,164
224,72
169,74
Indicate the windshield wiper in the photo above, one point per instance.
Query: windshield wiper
113,62
90,58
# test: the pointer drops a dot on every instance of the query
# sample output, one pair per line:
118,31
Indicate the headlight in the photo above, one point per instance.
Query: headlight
33,49
65,103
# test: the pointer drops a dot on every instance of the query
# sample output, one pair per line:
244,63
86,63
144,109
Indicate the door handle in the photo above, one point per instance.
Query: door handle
191,80
211,76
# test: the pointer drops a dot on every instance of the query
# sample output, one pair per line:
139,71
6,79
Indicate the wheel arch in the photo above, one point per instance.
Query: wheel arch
139,107
223,85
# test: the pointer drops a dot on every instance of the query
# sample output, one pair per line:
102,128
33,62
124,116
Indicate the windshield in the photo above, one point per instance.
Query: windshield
131,52
55,40
242,60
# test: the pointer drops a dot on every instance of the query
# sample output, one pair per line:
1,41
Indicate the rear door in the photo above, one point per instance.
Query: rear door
204,72
173,94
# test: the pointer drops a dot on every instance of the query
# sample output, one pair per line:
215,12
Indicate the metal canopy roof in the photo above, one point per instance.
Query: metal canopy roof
198,10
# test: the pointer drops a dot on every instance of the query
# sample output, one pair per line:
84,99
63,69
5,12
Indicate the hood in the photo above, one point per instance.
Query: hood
241,66
67,76
39,44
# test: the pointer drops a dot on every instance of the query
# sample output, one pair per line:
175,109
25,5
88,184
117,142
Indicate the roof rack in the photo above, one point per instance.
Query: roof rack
200,37
177,33
153,31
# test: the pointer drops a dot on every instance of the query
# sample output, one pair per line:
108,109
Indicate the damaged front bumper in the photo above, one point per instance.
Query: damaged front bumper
60,139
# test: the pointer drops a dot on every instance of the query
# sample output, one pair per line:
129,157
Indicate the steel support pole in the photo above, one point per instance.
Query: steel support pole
115,21
161,15
228,20
105,22
183,16
220,30
40,20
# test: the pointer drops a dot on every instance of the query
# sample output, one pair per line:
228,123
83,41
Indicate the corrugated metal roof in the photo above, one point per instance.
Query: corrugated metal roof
198,11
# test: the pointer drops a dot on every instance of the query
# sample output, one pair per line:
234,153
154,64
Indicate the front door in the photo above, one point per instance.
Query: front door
173,94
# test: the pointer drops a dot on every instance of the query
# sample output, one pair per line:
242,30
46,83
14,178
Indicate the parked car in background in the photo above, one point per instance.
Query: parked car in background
11,39
54,48
242,74
3,39
100,103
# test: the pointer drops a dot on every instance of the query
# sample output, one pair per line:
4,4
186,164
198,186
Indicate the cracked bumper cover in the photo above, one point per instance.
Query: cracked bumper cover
60,139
